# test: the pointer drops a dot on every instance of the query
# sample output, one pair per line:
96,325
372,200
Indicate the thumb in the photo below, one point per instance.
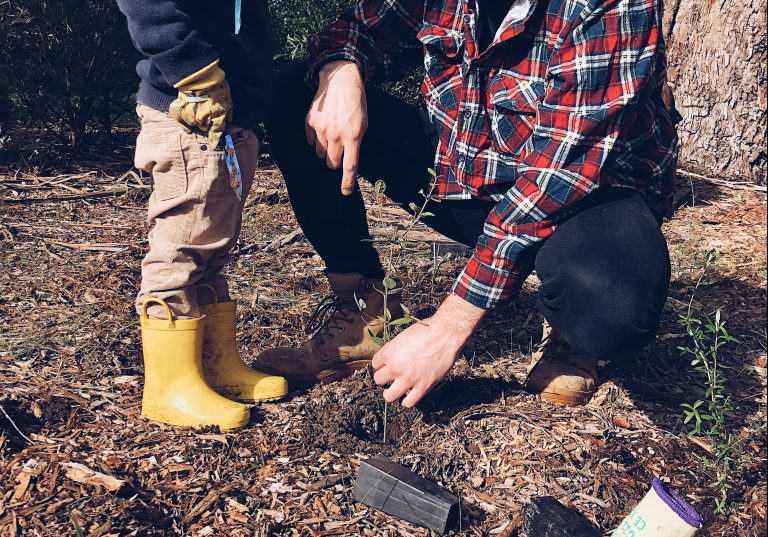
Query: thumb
216,131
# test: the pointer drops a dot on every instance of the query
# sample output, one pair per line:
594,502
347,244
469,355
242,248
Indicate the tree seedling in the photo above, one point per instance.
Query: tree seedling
399,237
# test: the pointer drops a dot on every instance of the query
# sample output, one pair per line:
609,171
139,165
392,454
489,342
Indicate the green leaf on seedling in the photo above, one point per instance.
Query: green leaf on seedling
361,304
380,187
413,207
402,321
432,172
389,283
376,339
427,214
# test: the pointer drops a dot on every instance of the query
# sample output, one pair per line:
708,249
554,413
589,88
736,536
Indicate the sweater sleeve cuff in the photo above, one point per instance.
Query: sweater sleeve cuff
487,287
188,57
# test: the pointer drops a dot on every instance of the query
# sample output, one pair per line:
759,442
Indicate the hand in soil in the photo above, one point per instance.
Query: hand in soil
421,356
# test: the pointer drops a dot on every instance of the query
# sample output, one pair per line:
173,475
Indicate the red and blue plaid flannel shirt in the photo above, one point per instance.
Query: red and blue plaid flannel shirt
566,99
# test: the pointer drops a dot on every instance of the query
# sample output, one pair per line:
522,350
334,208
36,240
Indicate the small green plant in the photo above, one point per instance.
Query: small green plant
707,335
398,238
75,525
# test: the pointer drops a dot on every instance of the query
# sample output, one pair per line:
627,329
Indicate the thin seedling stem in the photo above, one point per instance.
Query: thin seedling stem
386,412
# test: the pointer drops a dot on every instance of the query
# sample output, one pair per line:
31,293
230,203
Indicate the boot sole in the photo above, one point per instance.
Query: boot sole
567,398
235,396
254,401
328,376
162,416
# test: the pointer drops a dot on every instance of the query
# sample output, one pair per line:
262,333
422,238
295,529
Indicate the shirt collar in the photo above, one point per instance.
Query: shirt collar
516,19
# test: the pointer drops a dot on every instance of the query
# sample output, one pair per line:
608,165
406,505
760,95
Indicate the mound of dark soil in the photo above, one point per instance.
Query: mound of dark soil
348,418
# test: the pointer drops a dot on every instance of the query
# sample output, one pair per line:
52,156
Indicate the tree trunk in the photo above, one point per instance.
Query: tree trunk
717,70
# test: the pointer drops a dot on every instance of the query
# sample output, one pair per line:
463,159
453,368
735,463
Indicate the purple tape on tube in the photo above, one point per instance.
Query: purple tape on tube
678,505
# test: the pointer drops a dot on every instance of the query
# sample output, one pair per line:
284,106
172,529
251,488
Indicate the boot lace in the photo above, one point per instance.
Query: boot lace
329,314
554,348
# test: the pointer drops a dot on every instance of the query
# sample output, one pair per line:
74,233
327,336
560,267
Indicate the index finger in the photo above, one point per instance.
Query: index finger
378,360
351,158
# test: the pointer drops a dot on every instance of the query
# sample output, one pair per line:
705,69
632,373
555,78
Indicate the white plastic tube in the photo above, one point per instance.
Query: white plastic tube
662,513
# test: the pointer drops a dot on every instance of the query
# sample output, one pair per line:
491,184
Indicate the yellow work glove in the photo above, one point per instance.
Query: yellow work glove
204,103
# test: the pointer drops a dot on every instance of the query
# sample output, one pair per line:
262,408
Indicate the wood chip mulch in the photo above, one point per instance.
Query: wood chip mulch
74,451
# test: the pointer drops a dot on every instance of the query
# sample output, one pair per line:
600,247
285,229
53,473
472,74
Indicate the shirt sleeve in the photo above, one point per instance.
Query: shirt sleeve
377,35
163,32
594,81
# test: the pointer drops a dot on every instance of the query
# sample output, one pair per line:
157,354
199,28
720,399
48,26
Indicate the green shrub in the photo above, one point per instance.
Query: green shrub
68,66
295,22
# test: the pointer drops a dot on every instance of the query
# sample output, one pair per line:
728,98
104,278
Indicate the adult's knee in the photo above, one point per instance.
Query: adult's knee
605,275
603,318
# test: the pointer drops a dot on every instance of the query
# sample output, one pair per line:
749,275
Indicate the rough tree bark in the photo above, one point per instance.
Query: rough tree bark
717,70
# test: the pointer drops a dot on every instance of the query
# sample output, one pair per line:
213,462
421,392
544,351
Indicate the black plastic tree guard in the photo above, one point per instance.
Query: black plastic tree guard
395,490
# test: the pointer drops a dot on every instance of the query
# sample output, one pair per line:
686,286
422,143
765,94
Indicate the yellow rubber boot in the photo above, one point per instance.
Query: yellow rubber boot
175,391
224,370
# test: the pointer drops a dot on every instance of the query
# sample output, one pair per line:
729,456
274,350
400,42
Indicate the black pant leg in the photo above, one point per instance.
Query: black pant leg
335,225
398,148
605,275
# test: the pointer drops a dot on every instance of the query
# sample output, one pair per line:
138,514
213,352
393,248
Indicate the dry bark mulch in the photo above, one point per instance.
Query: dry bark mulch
70,372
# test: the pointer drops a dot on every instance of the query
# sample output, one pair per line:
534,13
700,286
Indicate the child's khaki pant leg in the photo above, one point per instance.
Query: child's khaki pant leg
226,212
184,211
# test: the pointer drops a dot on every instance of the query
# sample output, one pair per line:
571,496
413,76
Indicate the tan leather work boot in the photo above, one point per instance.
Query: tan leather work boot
559,373
341,343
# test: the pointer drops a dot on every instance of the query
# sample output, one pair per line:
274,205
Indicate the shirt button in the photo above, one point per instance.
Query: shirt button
515,102
467,18
467,114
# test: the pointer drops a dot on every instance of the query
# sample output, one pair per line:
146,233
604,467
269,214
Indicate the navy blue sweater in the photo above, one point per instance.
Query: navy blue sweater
180,37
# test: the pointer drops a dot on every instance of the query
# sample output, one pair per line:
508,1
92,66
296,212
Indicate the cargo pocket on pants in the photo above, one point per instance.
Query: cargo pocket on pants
160,154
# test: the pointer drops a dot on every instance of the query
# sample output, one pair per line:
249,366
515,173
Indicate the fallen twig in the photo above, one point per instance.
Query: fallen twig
92,247
69,197
735,185
85,476
25,437
285,239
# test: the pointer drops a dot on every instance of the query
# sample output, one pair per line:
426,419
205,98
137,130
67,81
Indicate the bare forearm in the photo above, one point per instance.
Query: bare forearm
459,316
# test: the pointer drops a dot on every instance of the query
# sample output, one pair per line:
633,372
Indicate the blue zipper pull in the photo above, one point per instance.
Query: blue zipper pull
238,19
233,166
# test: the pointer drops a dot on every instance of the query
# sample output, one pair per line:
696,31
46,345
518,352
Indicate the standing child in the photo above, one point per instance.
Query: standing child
204,83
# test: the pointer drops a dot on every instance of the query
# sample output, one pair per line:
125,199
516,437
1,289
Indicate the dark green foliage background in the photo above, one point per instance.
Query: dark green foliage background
294,22
67,67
